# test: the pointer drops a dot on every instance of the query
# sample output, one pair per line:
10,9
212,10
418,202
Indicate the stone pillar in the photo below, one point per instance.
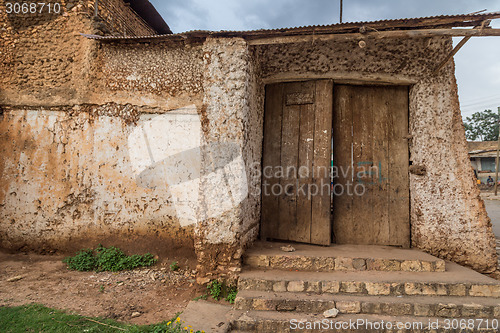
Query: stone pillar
230,143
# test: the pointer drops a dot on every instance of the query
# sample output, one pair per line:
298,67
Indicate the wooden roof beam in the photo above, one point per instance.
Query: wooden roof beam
421,33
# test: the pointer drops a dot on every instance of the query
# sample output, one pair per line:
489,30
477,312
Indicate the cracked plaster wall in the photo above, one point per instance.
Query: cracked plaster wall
68,183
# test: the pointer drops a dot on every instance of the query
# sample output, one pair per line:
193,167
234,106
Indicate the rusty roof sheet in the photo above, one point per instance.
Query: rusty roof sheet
430,22
481,146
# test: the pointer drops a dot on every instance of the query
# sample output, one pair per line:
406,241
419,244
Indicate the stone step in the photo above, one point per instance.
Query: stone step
341,258
456,281
427,306
272,322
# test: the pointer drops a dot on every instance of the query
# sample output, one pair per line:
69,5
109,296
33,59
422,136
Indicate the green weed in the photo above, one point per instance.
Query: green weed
215,289
197,298
174,266
82,261
231,294
108,259
219,290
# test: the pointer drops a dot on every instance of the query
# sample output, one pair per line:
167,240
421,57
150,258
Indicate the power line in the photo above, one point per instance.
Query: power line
476,99
485,102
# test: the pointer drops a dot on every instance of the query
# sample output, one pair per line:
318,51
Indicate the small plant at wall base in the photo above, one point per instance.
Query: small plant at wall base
174,266
215,289
231,295
108,259
219,290
82,261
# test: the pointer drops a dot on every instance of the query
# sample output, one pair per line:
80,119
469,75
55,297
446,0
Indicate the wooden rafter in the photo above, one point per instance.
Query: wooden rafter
378,35
452,53
464,40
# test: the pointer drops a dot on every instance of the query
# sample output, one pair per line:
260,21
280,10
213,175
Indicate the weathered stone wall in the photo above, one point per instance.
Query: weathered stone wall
159,74
44,60
219,82
75,167
389,59
448,218
101,170
120,19
252,151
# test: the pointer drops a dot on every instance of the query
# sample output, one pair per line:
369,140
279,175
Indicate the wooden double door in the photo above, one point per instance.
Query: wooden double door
335,164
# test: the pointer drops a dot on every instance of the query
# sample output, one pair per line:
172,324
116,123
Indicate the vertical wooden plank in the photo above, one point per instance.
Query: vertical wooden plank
271,159
321,225
305,167
380,168
380,123
399,206
342,143
289,161
362,227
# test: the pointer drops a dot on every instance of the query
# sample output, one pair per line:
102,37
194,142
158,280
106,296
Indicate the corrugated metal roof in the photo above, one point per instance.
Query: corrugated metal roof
485,153
430,22
475,147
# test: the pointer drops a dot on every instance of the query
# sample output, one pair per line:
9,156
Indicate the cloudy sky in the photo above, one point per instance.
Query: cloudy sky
478,62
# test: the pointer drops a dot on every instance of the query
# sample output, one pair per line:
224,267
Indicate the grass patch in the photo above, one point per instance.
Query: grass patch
38,318
107,259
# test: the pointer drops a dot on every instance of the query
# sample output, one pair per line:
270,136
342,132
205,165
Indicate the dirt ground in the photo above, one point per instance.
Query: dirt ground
142,296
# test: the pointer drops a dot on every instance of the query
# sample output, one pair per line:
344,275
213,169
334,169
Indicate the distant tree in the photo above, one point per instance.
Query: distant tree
482,125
